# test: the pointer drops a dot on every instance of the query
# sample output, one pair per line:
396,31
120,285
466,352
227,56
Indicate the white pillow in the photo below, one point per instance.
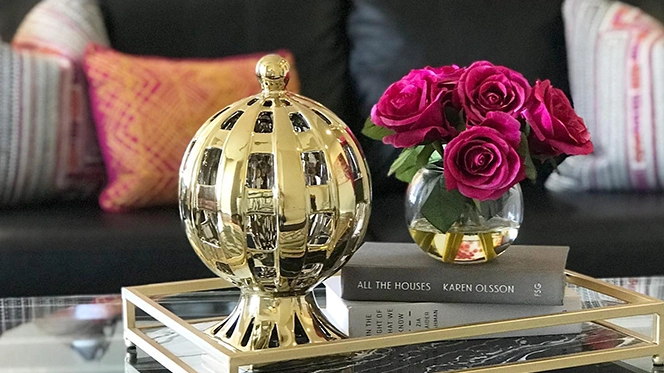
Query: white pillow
616,68
31,98
48,146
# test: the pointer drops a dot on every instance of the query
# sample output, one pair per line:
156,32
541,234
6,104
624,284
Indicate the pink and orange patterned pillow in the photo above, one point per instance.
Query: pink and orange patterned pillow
147,109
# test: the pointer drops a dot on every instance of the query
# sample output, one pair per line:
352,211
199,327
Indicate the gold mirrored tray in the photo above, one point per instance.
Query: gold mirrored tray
227,359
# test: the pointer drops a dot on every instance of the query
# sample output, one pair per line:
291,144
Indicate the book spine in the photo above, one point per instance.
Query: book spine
453,285
391,318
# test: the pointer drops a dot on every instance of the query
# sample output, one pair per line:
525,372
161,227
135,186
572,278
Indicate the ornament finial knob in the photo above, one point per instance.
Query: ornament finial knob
273,72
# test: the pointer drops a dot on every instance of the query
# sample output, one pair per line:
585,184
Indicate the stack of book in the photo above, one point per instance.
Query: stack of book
395,288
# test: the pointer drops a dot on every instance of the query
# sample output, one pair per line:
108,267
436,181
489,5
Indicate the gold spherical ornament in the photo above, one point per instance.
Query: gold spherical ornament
275,195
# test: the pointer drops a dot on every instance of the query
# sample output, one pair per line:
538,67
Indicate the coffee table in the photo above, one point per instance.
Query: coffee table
84,334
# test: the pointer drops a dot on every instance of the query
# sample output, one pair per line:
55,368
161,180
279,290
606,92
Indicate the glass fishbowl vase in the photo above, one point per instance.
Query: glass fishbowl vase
482,231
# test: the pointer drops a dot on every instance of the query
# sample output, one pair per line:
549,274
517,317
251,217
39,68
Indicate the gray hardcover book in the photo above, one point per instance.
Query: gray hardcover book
367,318
403,272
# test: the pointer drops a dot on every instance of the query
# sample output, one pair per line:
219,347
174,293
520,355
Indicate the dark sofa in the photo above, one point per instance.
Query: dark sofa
347,52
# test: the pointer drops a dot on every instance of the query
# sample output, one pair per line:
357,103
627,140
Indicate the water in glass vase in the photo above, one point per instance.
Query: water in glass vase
468,244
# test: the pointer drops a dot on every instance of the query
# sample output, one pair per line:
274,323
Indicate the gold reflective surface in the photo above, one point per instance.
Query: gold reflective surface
275,195
230,359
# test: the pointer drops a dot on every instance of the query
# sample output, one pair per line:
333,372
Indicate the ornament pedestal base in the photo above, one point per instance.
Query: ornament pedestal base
266,321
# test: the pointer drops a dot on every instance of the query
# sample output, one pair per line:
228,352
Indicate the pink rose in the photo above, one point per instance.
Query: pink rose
446,79
484,87
482,162
555,127
413,108
447,76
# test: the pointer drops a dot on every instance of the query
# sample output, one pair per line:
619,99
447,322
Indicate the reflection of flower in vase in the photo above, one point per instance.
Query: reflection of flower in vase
469,251
472,250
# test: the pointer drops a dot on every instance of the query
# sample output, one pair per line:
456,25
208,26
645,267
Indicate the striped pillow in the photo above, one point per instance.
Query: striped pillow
60,29
616,67
30,109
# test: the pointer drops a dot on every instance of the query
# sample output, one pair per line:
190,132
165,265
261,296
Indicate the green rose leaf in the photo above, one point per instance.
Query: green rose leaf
409,161
525,127
405,166
407,156
524,153
435,157
442,208
531,170
425,154
375,132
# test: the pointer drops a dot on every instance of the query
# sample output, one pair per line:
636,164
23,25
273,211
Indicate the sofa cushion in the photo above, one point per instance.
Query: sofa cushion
616,59
609,234
147,109
63,28
314,31
76,248
31,95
